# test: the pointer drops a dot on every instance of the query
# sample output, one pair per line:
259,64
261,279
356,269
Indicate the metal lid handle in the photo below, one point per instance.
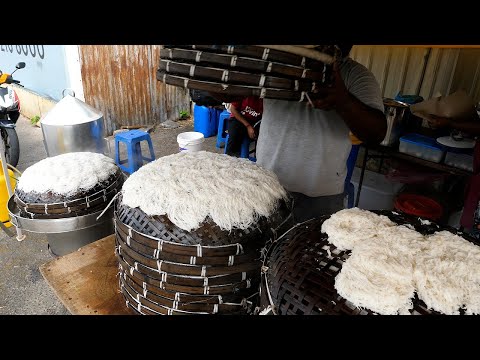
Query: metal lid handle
70,92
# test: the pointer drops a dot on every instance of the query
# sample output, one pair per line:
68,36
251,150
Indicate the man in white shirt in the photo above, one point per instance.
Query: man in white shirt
308,147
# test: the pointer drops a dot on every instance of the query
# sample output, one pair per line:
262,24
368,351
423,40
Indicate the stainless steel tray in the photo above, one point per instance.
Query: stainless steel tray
53,226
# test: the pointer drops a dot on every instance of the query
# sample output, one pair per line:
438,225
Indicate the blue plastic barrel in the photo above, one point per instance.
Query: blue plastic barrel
205,120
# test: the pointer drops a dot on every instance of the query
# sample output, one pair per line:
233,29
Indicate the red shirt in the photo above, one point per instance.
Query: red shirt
250,107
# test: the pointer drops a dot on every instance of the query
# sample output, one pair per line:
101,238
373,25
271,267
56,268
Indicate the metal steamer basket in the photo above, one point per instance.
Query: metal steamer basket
166,270
299,270
69,223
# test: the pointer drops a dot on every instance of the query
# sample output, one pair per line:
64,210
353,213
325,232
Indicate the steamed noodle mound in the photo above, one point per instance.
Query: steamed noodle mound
348,227
67,174
379,273
389,264
189,187
447,274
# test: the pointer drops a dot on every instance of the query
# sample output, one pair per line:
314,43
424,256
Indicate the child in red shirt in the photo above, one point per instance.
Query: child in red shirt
244,121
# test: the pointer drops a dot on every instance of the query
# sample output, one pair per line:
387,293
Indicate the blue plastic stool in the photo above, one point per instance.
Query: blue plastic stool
244,149
222,129
132,140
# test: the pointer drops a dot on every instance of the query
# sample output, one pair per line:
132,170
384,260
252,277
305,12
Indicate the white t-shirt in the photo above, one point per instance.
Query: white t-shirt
308,148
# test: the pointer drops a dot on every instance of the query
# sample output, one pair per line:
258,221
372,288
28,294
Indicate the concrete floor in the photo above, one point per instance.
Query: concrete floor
23,290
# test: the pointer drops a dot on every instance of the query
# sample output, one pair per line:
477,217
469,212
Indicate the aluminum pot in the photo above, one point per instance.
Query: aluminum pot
394,112
73,126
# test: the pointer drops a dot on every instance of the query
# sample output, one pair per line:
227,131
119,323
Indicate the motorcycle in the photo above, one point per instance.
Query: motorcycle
9,114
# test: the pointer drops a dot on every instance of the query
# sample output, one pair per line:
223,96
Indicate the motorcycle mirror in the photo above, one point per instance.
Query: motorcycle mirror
20,65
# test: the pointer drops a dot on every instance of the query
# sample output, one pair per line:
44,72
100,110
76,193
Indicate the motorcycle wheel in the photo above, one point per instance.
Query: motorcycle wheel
12,147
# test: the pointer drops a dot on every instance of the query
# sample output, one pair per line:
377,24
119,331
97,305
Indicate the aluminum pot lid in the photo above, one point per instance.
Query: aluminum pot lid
71,111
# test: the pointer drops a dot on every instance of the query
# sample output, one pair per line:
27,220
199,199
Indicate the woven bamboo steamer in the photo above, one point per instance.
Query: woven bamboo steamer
161,229
157,254
233,92
164,269
163,291
177,247
148,303
267,52
148,283
227,76
258,76
198,281
234,62
298,274
53,206
162,305
304,50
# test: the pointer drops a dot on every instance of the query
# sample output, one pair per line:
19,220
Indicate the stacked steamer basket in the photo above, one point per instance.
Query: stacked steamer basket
228,72
298,274
169,265
300,269
63,197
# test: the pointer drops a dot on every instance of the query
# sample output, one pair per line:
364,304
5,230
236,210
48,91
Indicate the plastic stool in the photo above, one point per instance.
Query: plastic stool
244,149
222,129
132,140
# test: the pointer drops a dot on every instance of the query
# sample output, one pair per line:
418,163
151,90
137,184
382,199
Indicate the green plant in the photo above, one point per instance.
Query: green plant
35,119
184,114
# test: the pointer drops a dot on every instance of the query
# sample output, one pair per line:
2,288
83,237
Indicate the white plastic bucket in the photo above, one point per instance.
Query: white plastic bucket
190,141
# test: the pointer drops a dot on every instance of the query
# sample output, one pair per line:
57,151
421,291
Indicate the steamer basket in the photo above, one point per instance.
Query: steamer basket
298,274
166,270
54,206
208,234
232,72
69,222
220,75
263,53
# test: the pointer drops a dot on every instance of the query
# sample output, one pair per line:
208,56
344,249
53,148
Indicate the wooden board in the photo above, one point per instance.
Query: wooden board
86,280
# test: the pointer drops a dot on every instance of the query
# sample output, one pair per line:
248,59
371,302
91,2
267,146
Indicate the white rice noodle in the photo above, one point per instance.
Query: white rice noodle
188,187
389,264
447,274
67,174
379,273
346,228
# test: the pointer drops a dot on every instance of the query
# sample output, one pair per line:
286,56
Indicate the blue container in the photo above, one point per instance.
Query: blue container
205,120
422,147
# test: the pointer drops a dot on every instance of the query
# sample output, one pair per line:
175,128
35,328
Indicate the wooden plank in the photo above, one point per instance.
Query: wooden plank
86,280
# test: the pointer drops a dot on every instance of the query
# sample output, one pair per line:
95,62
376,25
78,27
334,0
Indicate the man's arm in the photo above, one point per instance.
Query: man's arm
471,126
368,124
243,120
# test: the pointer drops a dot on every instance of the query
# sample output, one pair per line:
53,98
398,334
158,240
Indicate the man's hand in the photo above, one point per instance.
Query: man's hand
438,122
332,96
251,132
